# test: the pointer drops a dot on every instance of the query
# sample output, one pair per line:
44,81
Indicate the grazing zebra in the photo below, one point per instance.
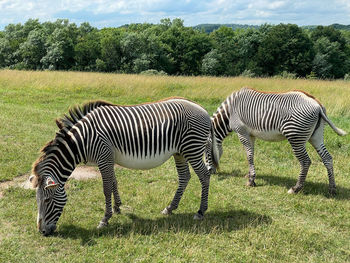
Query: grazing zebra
295,116
139,137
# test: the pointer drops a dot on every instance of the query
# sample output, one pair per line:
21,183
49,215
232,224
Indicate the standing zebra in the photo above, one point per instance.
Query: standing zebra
295,116
138,137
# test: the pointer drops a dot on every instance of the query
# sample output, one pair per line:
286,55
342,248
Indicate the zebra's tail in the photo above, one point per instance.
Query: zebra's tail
214,149
336,129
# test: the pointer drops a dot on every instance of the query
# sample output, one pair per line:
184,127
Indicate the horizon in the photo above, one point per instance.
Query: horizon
115,14
156,23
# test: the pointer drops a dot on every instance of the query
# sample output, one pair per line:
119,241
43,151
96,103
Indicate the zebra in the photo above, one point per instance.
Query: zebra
295,115
138,137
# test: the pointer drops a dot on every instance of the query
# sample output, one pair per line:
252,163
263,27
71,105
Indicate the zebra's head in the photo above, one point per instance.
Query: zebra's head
51,198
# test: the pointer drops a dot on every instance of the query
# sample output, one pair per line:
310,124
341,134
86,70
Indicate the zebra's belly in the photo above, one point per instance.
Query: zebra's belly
272,136
143,163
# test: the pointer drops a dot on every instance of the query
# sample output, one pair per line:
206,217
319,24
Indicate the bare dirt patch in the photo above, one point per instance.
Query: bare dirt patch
80,173
85,172
20,181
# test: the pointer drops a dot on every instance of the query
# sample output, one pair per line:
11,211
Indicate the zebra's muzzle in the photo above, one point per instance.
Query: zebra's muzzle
48,229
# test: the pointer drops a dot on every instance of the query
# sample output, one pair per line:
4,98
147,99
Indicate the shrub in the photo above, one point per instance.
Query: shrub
248,74
211,63
153,72
101,65
286,75
347,77
312,75
19,66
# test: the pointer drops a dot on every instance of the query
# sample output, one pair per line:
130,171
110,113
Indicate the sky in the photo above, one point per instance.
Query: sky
108,13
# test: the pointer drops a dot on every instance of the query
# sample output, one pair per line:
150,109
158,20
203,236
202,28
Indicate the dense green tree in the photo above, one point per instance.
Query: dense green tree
176,49
330,33
132,47
5,52
211,63
332,58
60,50
186,47
285,48
111,53
33,49
225,42
13,37
87,50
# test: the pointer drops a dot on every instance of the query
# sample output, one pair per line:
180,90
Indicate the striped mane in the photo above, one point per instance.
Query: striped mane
77,113
64,124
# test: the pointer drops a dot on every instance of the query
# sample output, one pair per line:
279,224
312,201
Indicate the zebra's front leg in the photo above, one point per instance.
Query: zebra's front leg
248,144
184,177
299,150
108,180
204,177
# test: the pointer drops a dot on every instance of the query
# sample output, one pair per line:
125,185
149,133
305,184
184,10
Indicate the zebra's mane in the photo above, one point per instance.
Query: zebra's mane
78,112
64,124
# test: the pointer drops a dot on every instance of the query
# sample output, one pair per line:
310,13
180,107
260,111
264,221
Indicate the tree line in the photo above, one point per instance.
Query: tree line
172,48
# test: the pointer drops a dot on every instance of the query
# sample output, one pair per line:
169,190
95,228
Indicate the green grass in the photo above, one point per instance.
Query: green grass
262,224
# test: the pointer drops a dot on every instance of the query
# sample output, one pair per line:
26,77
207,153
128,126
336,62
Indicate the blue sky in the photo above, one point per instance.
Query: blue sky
107,13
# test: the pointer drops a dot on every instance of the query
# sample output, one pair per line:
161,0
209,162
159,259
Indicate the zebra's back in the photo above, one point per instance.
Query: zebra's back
145,136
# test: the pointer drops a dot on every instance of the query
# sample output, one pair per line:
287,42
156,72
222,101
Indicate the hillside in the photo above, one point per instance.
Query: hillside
211,27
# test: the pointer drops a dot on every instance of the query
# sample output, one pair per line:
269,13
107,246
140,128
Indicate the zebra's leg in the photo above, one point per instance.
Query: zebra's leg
108,178
204,177
248,144
317,142
184,176
117,201
300,153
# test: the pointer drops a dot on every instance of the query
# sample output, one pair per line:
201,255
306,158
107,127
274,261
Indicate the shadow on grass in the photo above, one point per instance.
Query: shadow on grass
310,188
214,222
226,175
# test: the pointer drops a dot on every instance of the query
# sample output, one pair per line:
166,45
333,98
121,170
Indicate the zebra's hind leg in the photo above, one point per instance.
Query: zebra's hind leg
316,141
108,178
184,176
117,201
305,162
248,144
204,177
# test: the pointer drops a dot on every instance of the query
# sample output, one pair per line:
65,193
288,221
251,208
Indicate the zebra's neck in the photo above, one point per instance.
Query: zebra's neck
67,152
221,120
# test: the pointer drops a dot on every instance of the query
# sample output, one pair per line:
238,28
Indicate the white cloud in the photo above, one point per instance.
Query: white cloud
276,4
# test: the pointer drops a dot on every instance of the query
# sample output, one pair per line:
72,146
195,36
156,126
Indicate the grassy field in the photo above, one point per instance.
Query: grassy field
261,224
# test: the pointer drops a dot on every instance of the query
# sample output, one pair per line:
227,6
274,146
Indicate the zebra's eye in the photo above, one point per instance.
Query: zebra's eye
47,200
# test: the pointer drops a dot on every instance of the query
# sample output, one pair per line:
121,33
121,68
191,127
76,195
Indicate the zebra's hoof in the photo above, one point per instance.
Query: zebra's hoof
332,191
212,170
166,211
102,225
116,210
294,190
291,191
198,216
251,183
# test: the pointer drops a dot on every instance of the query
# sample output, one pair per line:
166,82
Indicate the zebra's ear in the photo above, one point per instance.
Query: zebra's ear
34,180
50,183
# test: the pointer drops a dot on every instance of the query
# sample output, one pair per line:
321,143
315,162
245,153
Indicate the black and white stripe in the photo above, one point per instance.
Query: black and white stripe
295,116
138,137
